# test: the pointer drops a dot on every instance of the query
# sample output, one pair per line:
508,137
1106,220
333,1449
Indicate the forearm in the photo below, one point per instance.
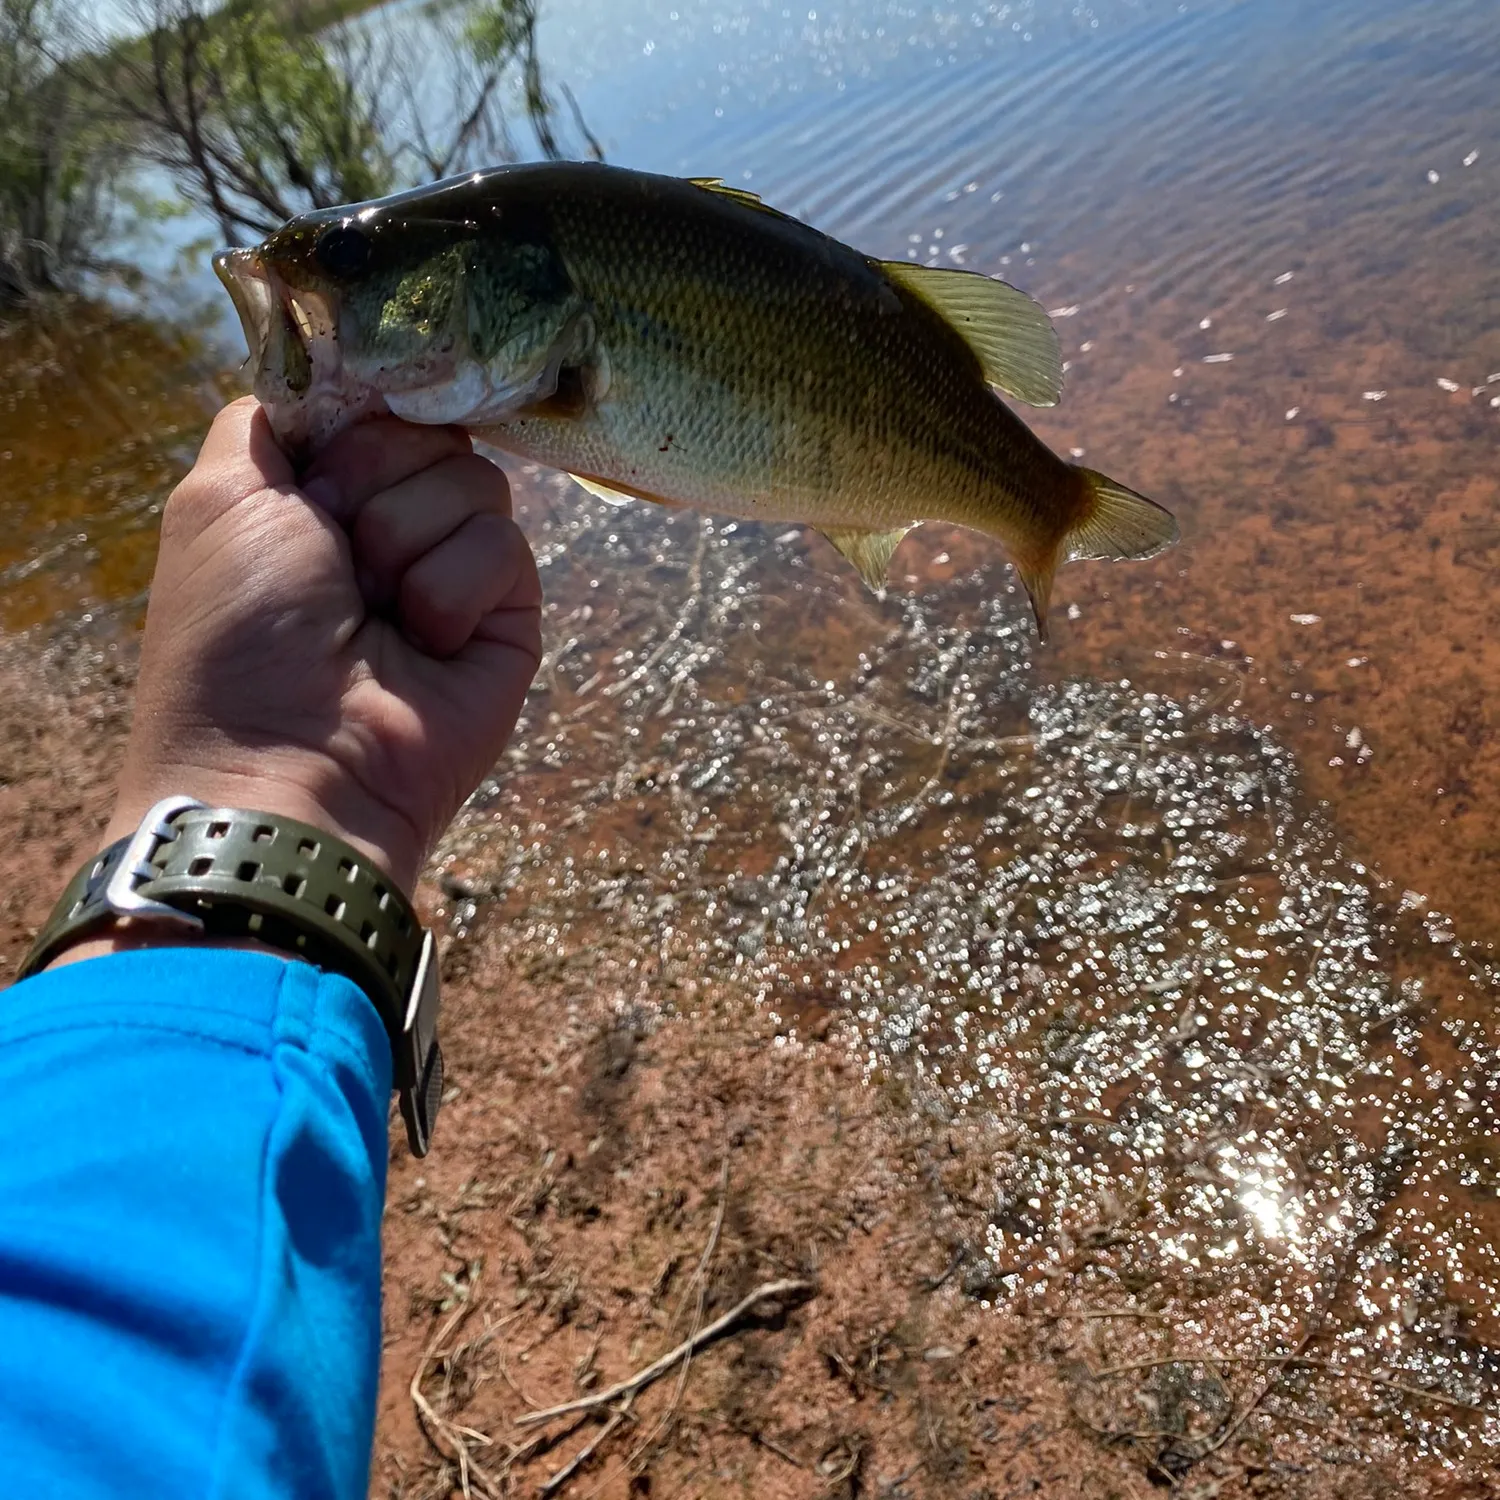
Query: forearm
192,1186
194,1144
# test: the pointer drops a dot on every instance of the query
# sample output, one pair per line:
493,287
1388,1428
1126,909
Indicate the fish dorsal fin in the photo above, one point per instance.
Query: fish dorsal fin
869,551
603,491
743,196
740,195
1012,336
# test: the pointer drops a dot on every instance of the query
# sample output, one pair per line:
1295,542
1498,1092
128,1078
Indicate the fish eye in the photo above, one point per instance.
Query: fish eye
342,251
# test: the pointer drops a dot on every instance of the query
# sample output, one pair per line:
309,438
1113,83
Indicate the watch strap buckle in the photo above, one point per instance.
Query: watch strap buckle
134,867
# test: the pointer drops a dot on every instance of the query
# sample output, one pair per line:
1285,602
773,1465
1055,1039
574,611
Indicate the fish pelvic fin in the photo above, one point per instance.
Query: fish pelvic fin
869,551
605,492
1108,521
617,492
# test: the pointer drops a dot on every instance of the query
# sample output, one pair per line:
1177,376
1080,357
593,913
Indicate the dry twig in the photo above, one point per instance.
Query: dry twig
653,1372
1252,1406
626,1391
616,1417
436,1427
699,1282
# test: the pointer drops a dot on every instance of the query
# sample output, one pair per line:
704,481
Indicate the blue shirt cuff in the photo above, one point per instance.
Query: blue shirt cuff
193,1180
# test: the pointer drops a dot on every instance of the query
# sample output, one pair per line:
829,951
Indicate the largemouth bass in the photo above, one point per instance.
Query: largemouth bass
680,341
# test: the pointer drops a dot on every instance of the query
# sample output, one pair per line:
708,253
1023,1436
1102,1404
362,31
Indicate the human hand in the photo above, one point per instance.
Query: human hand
353,652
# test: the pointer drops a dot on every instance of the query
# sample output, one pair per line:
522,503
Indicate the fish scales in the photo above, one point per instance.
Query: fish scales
764,370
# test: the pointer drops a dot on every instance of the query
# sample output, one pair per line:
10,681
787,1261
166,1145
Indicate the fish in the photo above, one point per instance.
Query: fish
679,340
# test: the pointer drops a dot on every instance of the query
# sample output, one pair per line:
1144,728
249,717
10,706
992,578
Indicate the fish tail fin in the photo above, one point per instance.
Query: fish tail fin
1108,521
1117,522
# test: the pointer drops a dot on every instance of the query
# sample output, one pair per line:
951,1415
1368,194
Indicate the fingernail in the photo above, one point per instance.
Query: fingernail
323,493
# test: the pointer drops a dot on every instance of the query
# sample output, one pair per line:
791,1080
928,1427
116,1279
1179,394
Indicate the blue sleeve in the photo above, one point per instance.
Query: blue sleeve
192,1174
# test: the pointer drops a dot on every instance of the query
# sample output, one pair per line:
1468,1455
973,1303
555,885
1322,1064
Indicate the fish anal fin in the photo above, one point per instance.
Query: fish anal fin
1037,580
869,551
1114,522
1010,334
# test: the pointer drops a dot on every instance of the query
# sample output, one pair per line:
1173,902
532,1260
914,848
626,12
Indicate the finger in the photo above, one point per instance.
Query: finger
239,457
371,456
516,622
484,567
239,442
398,525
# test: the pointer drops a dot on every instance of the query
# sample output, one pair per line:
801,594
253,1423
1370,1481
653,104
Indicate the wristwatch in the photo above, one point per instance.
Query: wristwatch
226,872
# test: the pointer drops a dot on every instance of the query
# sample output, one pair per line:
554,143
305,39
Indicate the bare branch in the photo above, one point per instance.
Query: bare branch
634,1384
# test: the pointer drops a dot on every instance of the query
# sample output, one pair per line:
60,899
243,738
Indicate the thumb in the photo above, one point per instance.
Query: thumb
239,458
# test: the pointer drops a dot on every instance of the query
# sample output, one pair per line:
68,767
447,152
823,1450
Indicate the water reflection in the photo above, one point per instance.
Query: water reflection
1192,1056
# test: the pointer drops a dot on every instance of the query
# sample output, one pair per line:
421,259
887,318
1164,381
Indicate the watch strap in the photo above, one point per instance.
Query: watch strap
228,872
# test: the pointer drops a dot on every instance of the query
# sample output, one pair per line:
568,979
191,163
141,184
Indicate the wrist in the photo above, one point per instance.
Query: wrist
217,789
256,877
129,937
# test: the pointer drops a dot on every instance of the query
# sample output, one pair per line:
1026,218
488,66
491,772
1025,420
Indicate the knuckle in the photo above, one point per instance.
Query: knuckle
374,536
506,534
179,512
482,533
485,483
435,616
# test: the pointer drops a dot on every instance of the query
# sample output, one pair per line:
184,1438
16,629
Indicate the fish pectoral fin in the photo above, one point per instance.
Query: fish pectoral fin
566,402
1012,336
577,378
869,551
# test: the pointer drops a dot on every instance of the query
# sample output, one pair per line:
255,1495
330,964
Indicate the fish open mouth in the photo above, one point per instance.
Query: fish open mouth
290,333
248,283
297,359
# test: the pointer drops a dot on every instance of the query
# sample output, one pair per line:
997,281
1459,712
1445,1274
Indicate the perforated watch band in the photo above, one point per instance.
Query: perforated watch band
232,873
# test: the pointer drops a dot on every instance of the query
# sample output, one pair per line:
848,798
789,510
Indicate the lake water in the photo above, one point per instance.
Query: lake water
1184,924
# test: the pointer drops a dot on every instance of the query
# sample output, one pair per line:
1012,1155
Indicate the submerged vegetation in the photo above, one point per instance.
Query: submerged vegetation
249,112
